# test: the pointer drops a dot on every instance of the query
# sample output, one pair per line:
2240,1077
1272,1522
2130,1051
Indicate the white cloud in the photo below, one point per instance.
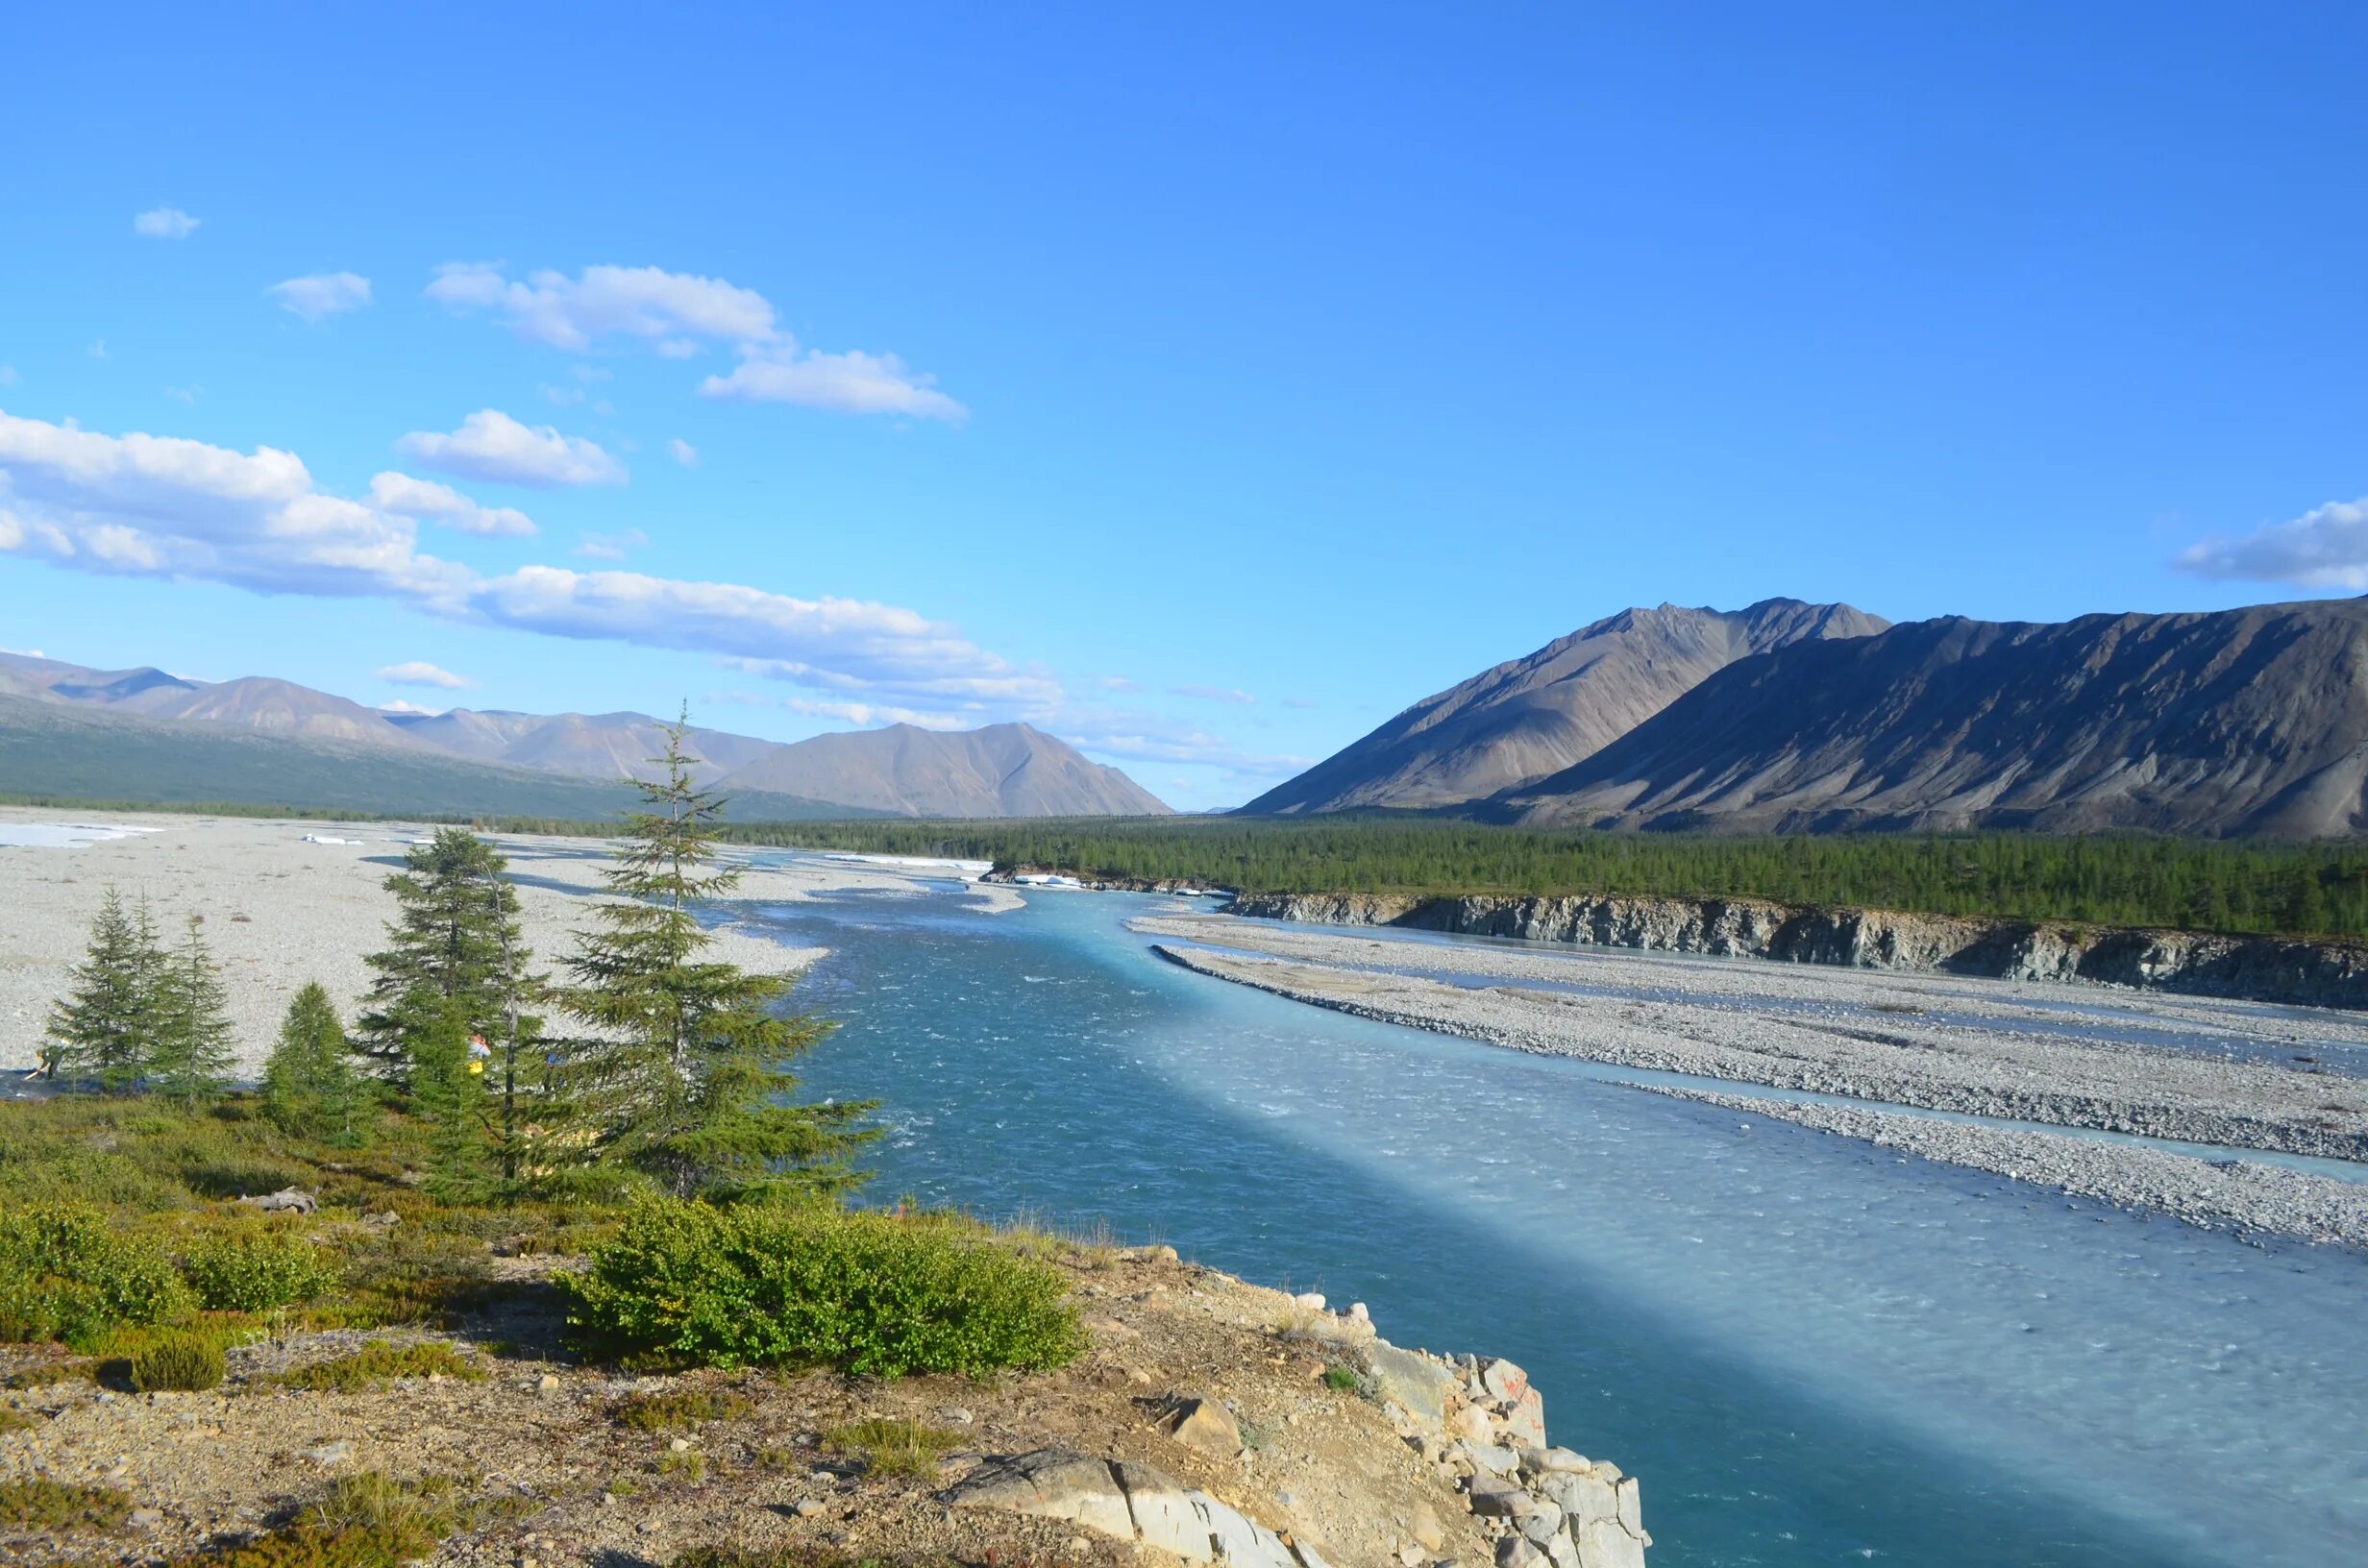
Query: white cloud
680,314
490,445
1301,702
2324,548
399,705
649,302
853,383
873,713
184,394
164,222
682,452
392,492
420,672
322,295
165,506
563,397
611,546
97,350
1214,694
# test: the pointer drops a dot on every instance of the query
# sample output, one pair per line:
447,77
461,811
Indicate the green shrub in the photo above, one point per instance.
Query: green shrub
255,1270
679,1408
378,1363
177,1363
363,1521
43,1504
890,1447
870,1293
67,1274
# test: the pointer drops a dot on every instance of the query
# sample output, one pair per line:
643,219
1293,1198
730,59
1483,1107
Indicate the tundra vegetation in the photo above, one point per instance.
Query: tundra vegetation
637,1113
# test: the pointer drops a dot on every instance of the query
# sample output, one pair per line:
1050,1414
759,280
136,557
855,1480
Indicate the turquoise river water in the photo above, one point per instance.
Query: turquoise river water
1811,1350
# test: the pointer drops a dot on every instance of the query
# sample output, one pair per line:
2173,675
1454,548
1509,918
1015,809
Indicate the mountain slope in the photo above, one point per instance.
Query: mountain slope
1535,716
587,745
2251,721
1001,770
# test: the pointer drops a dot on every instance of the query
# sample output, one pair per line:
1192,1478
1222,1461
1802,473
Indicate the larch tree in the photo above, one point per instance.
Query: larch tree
189,1056
309,1085
683,1067
103,1030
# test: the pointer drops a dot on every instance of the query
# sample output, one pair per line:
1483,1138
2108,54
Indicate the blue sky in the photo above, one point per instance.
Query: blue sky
1203,386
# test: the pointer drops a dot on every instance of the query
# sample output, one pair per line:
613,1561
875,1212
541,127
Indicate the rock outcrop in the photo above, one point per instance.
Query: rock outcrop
2202,964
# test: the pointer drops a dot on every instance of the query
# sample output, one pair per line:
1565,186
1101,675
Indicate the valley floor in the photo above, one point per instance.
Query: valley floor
1875,1055
281,911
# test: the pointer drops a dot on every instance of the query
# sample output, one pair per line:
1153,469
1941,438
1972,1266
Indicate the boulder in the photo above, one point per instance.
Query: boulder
1543,1526
1199,1422
1495,1462
1504,1381
1427,1529
288,1198
1524,1421
1418,1384
1603,1544
1631,1506
1546,1462
1493,1499
1051,1484
1471,1423
1513,1552
1582,1497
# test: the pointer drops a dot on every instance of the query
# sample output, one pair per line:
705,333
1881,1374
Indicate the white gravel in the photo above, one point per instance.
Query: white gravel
280,912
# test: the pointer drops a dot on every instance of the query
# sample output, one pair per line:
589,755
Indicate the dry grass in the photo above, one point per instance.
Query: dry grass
678,1408
891,1447
57,1507
378,1362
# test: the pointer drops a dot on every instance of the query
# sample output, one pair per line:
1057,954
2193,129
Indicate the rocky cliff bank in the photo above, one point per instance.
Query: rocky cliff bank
2204,964
1210,1421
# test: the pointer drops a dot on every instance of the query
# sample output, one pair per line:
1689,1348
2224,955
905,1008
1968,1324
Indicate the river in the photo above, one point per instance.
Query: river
1812,1351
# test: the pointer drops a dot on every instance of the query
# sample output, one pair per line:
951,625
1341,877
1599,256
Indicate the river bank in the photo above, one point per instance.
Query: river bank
2194,963
1940,1047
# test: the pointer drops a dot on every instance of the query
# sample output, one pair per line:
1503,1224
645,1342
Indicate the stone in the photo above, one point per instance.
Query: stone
336,1453
1606,1472
1163,1511
809,1507
1412,1555
1418,1384
1562,1552
956,1415
547,1384
1199,1422
383,1218
1050,1483
1514,1552
1496,1461
1631,1505
1546,1462
1493,1499
1504,1381
1524,1422
1357,1312
1312,1299
1603,1544
1582,1497
1543,1525
288,1199
680,1445
145,1519
1472,1423
1426,1527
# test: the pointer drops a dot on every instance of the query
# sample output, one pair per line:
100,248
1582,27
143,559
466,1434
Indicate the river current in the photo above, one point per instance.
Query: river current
1812,1351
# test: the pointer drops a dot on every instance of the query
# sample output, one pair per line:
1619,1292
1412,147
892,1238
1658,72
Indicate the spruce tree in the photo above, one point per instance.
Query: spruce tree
456,937
189,1057
448,1093
104,1028
685,1070
309,1086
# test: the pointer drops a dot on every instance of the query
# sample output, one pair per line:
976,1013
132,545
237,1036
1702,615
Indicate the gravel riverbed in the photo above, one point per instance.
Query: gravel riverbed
1627,1016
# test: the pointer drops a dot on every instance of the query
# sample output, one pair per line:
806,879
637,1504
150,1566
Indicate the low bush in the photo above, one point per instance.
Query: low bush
255,1270
177,1363
363,1521
42,1504
378,1362
687,1283
890,1447
679,1408
67,1274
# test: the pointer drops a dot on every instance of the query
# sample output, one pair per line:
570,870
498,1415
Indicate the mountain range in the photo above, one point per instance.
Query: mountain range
2227,722
69,730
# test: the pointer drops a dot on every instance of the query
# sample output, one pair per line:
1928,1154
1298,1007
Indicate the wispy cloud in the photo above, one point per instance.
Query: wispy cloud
1301,702
2324,548
164,222
420,672
680,315
682,452
9,376
611,546
147,506
490,445
97,349
1214,694
322,295
407,497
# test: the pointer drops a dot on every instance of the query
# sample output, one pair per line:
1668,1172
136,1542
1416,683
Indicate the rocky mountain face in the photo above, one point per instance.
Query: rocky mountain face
136,718
1538,715
2236,722
1000,771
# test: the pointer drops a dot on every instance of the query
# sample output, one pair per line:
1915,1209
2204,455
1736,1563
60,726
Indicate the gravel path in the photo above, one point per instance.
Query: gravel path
280,911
